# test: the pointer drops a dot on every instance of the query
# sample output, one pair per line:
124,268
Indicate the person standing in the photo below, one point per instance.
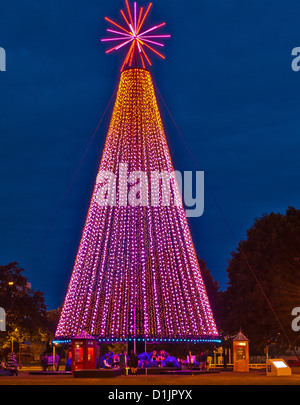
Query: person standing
123,361
44,361
203,359
133,362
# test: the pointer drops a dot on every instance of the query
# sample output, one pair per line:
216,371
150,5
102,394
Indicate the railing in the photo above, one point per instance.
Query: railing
217,361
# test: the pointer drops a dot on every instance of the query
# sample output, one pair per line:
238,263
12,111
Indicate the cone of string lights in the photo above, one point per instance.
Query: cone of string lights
136,273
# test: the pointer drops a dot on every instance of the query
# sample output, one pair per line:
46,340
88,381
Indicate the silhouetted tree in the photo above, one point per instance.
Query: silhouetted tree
264,283
26,316
214,295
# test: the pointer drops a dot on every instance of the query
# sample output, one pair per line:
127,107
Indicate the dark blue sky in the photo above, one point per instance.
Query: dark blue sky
227,81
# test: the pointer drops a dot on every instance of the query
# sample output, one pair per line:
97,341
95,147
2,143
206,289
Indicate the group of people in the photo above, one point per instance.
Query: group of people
157,359
122,360
146,360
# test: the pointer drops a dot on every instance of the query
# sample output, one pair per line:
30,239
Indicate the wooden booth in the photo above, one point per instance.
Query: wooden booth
84,348
240,353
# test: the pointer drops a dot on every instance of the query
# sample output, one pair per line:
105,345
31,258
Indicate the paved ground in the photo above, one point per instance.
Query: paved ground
254,377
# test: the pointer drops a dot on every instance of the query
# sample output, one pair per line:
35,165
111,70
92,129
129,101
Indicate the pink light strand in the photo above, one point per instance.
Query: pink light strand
136,259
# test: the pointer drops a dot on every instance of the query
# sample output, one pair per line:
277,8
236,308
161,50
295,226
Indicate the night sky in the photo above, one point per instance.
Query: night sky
227,81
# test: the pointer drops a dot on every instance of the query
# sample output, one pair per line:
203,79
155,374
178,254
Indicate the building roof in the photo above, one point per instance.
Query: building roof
240,337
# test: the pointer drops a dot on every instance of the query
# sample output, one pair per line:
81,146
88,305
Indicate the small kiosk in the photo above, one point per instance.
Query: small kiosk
240,353
83,352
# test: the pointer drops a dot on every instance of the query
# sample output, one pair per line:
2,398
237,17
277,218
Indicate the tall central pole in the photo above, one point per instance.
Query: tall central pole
134,328
135,58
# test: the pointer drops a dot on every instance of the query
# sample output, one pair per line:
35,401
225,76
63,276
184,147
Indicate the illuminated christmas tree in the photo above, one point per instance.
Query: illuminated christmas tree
136,272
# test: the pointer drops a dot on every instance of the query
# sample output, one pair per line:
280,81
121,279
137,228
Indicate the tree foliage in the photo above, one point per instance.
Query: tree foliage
213,292
264,284
26,312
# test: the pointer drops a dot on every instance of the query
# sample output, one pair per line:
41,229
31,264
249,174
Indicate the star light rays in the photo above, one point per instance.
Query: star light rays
140,41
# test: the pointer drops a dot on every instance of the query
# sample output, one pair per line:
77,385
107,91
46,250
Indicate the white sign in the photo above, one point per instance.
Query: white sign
279,364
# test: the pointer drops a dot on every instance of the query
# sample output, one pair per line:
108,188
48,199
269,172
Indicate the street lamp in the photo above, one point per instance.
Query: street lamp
12,341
